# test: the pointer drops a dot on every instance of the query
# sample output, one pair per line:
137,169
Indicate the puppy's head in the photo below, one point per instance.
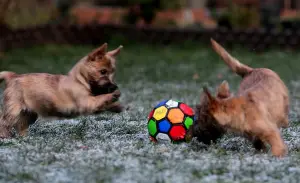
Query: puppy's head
205,128
99,69
218,108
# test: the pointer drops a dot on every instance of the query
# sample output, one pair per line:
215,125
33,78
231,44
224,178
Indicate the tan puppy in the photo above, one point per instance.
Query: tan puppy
260,107
88,88
206,128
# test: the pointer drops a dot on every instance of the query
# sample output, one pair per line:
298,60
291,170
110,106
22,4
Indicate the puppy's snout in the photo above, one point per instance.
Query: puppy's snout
112,87
105,88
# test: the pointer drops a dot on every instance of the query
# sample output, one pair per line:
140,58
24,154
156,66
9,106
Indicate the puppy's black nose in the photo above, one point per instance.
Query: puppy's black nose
112,88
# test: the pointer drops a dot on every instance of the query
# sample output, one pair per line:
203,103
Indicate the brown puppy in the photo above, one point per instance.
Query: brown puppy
206,128
88,88
260,107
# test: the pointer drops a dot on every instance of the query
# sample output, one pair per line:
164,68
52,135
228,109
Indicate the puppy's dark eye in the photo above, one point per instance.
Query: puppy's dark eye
103,71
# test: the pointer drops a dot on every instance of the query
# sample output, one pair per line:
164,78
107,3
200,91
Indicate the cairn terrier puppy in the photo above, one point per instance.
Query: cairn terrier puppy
88,88
258,110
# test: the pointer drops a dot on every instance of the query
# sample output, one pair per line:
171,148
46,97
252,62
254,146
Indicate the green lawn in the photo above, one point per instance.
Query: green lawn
115,147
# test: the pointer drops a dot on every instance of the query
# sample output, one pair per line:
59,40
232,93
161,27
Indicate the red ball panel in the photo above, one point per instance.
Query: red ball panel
177,132
186,109
151,114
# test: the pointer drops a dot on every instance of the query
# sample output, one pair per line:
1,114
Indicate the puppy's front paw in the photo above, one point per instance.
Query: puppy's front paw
111,98
4,133
280,151
116,95
116,107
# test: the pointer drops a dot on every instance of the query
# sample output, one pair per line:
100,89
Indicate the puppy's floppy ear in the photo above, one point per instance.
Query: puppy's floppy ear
223,91
115,52
97,53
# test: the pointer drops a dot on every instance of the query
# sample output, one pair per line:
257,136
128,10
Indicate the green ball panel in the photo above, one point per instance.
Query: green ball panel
188,122
152,127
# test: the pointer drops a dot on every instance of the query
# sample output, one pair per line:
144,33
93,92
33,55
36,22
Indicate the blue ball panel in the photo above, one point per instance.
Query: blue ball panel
161,103
164,126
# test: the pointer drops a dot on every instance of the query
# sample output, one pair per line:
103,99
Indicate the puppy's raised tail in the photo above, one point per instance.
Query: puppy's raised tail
233,63
6,75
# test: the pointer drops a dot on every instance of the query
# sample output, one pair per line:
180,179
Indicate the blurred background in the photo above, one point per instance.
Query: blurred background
158,13
249,22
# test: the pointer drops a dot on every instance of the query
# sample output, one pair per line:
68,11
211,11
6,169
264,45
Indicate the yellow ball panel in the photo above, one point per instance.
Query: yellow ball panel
160,113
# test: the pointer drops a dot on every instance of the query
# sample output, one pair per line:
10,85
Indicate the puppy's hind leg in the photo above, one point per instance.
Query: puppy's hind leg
8,119
284,123
5,130
24,121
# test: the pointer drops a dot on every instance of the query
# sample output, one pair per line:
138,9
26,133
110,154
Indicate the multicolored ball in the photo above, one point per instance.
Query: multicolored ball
170,119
